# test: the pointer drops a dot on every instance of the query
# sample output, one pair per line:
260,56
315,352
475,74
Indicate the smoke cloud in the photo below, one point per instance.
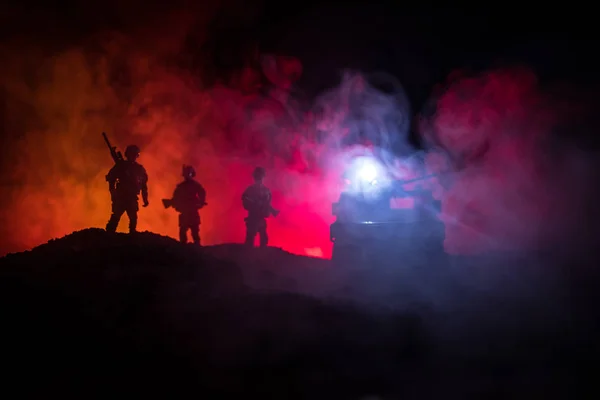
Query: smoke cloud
505,181
59,102
511,182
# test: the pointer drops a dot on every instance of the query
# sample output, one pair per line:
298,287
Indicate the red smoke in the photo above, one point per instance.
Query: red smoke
494,129
60,103
130,86
507,190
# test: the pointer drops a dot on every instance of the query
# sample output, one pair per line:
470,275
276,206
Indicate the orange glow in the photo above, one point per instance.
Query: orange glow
59,101
58,158
55,160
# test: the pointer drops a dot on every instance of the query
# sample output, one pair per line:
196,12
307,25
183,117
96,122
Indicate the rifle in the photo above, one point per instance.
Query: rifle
116,155
167,203
272,210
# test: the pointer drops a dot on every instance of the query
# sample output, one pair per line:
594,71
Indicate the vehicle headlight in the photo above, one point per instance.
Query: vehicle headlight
366,174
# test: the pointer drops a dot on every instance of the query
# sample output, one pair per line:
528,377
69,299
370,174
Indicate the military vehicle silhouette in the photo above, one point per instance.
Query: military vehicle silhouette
383,220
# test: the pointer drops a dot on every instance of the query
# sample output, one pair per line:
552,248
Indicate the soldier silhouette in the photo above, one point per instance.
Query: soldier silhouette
189,196
257,201
126,179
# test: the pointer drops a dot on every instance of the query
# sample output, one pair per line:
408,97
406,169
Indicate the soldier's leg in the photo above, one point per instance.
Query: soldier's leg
264,238
182,229
250,232
115,217
195,227
132,213
196,233
183,234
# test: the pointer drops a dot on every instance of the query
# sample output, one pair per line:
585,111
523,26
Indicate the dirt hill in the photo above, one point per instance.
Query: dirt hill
95,312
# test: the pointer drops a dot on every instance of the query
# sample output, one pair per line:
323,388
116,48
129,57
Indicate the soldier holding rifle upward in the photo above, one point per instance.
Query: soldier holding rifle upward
126,179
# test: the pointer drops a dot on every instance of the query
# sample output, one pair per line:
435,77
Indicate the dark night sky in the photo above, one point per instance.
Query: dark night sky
421,44
417,42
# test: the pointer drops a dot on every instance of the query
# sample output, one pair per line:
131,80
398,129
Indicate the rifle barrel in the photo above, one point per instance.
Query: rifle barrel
107,141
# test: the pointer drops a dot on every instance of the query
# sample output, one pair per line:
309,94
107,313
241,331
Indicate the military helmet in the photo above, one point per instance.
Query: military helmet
259,173
132,151
187,171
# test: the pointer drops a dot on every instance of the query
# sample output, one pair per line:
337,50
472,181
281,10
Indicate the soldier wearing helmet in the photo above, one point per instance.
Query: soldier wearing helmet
257,201
189,196
126,179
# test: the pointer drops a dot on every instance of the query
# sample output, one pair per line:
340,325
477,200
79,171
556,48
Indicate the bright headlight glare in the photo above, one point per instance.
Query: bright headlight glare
367,172
367,175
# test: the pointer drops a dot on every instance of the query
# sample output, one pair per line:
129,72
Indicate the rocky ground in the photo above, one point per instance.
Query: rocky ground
96,313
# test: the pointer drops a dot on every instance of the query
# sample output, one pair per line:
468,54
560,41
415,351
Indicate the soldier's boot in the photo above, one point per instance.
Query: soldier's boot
133,225
264,238
133,219
196,234
183,235
250,235
112,224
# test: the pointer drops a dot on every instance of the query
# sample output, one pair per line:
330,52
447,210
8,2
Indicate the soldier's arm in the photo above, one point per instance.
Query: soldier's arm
144,185
175,197
111,178
245,194
201,192
273,210
269,197
247,198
